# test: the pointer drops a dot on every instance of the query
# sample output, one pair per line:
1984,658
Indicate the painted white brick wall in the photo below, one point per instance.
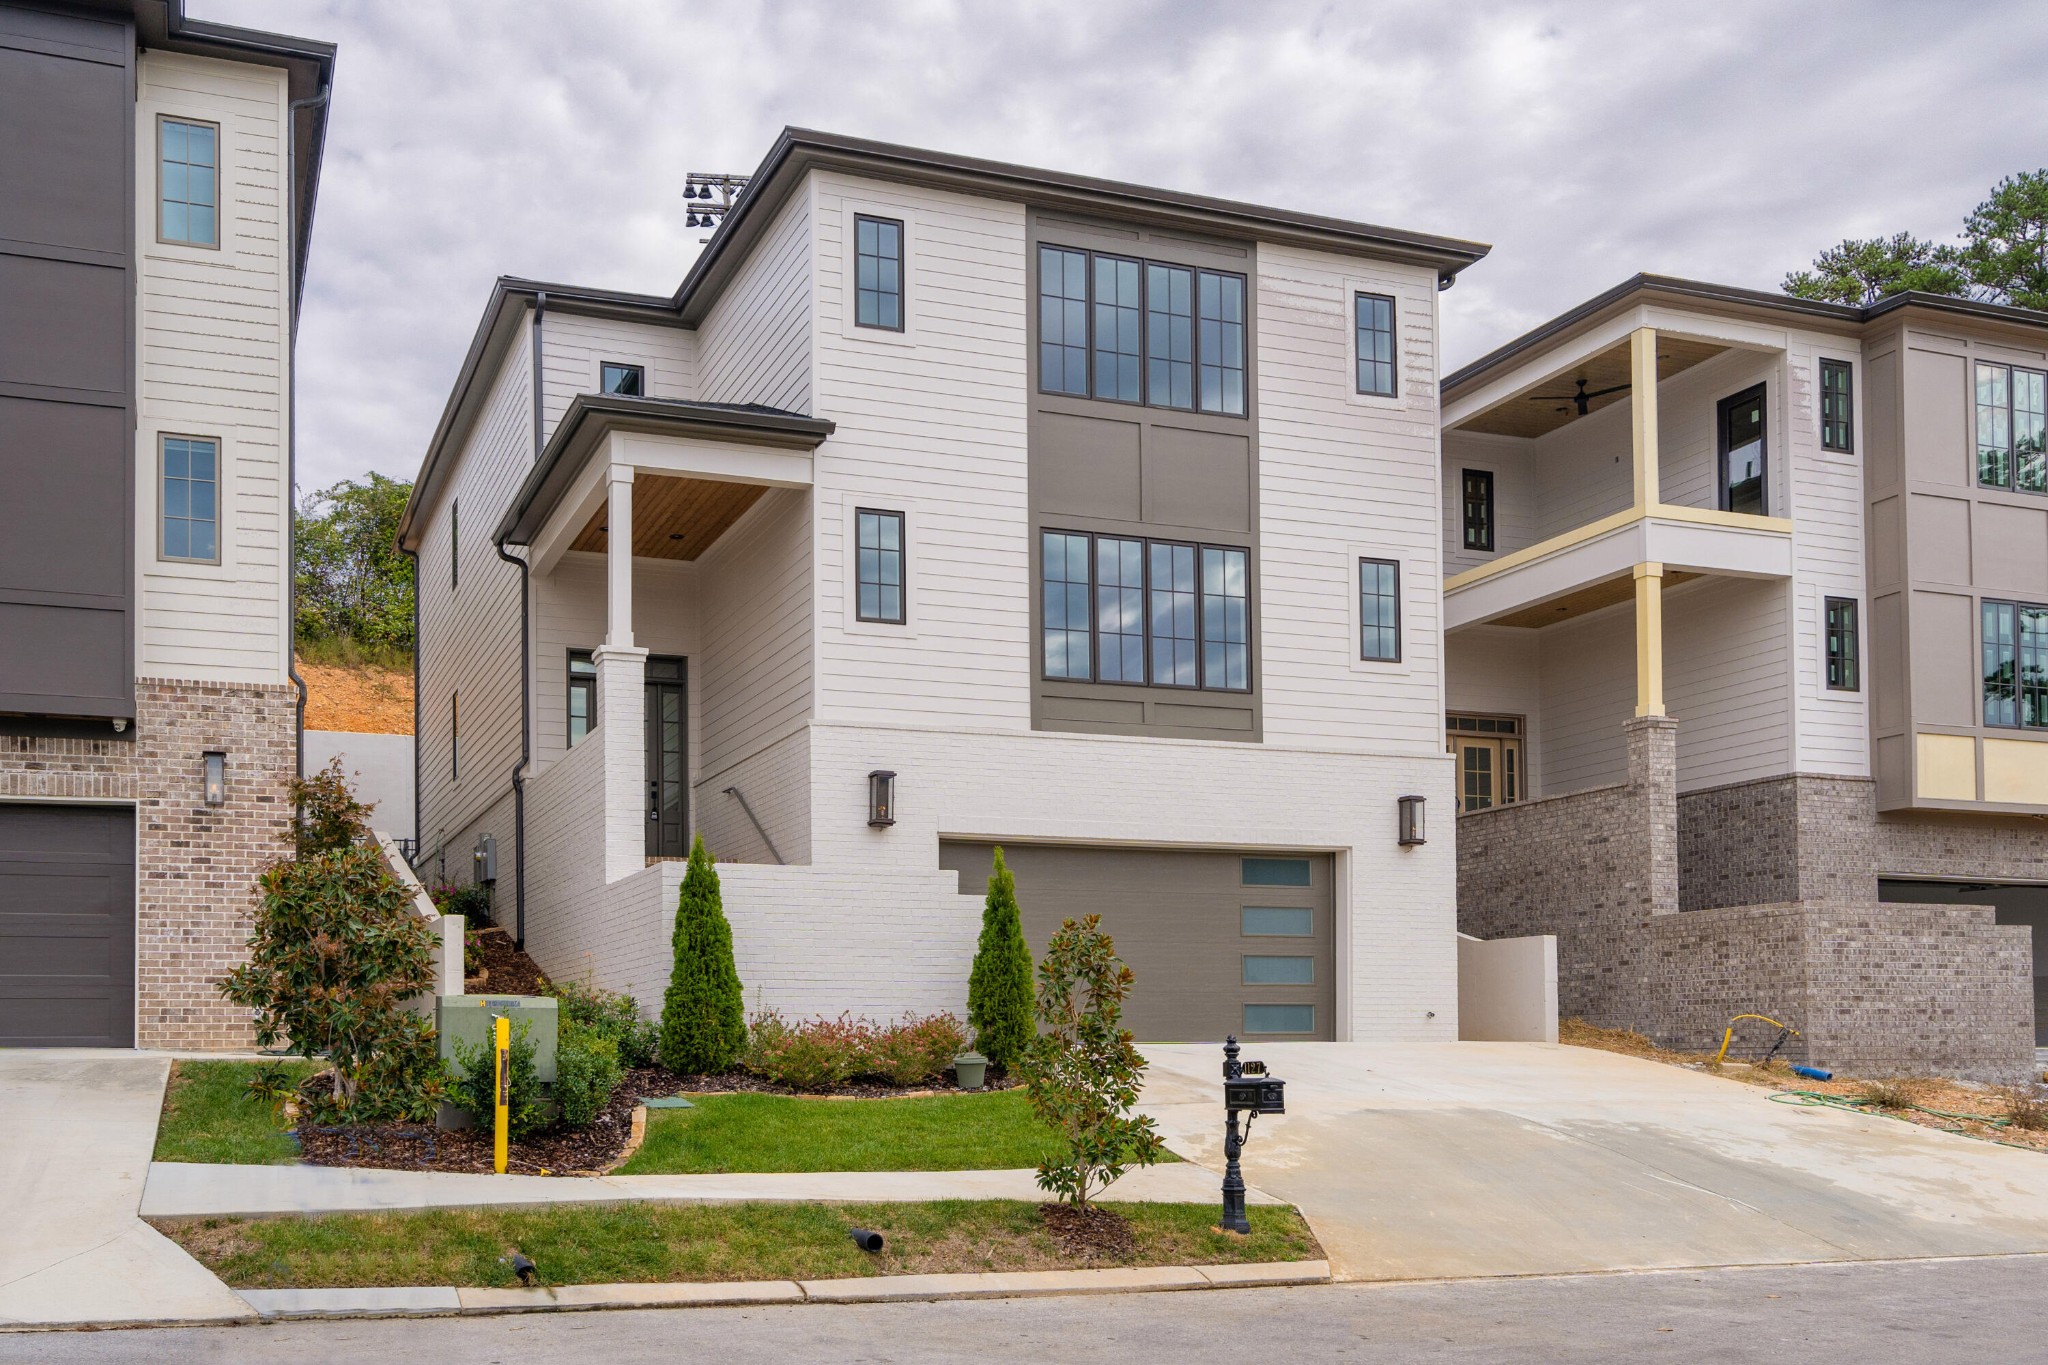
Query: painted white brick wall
777,783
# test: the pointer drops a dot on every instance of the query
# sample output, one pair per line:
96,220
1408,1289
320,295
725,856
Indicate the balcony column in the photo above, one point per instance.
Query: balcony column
1642,393
622,694
1650,639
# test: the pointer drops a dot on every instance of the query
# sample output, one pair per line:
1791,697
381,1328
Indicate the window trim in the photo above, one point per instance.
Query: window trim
1828,366
575,680
1393,389
219,496
1465,477
1094,677
1852,659
2019,705
219,153
640,370
1762,393
2012,458
1144,263
902,272
1400,617
902,616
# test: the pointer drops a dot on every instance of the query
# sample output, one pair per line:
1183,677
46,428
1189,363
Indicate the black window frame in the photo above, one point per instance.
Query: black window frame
1392,332
455,735
1400,641
1760,394
1197,357
2029,700
604,372
1842,637
1838,406
454,544
1486,505
902,261
2008,408
586,683
902,553
1094,676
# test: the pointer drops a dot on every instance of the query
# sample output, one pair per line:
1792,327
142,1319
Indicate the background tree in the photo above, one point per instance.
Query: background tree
703,1017
2006,241
999,987
354,587
1863,271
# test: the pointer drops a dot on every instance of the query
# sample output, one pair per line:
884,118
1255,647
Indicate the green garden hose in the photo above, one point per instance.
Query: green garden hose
1857,1104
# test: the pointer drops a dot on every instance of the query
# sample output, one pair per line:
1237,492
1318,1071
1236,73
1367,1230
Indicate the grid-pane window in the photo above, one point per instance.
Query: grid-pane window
1379,610
1994,426
1220,342
627,381
1479,509
1226,619
1170,336
1173,615
1373,319
582,695
1062,320
1066,605
2033,676
1843,646
2029,457
2001,663
1120,609
1119,323
878,272
879,570
1837,411
189,183
191,499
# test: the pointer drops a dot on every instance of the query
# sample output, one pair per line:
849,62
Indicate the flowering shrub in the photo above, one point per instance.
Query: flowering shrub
472,902
817,1054
915,1050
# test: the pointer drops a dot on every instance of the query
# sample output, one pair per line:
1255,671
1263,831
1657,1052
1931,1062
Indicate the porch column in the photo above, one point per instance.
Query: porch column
1642,393
619,558
622,694
1650,639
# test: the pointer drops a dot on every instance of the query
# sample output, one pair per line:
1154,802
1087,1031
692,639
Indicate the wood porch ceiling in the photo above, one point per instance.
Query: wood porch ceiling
1522,416
675,518
1591,598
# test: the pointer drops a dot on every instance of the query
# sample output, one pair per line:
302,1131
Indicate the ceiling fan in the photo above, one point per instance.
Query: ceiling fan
1581,399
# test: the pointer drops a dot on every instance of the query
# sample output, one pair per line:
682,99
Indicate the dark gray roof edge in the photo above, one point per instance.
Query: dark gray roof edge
680,415
1948,303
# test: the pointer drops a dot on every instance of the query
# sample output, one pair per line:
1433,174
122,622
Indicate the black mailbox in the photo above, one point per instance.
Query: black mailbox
1263,1095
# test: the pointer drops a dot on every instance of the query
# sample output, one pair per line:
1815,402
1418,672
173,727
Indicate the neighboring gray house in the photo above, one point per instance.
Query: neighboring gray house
1747,665
157,178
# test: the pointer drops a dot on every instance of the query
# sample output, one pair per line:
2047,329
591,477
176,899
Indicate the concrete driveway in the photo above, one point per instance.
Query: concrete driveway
76,1131
1419,1161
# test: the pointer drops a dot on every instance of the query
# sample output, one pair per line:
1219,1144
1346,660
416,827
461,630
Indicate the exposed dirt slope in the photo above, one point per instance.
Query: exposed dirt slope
362,699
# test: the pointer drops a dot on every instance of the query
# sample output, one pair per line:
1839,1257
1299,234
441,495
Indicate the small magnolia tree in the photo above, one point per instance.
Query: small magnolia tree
999,987
703,1017
1082,1072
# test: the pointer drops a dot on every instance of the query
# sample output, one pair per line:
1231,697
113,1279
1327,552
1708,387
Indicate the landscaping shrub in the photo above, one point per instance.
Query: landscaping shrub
999,987
327,817
473,1083
810,1054
610,1015
1082,1072
914,1051
1886,1094
703,1017
587,1072
472,902
2023,1109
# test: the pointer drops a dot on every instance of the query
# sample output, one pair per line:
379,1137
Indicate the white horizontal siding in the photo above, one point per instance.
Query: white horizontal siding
755,345
755,680
1516,510
1498,671
569,613
1831,730
1726,680
1588,692
573,347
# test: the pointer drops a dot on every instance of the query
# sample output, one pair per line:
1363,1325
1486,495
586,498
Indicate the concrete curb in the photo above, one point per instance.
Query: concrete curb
283,1305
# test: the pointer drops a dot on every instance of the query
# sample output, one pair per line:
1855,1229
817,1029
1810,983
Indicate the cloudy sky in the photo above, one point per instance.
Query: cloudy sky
549,138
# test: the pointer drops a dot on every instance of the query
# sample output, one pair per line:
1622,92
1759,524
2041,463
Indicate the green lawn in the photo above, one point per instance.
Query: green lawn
988,1132
642,1243
209,1115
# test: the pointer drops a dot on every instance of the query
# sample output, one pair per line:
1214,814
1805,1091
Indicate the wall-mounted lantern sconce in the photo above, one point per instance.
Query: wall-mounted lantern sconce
881,797
216,779
1412,829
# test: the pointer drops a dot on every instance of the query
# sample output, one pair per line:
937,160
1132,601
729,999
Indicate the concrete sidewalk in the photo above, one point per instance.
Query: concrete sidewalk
76,1131
178,1189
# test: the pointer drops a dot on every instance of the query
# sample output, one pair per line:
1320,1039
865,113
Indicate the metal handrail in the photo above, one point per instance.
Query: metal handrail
759,829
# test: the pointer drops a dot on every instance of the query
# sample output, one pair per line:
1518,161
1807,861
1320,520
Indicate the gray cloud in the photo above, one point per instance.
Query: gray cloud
472,138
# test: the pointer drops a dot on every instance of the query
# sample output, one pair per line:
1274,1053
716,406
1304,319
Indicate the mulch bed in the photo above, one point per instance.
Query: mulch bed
1092,1233
505,970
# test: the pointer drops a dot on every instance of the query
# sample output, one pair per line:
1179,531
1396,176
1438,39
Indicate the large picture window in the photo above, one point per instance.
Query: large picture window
2011,428
2015,665
1119,609
1168,336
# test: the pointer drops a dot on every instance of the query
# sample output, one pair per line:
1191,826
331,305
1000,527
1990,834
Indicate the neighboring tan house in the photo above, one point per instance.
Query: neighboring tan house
156,191
948,504
1747,671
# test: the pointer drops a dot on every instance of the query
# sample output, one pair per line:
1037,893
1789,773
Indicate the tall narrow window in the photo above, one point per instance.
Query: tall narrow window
1173,614
1120,609
1479,509
1226,620
2029,428
1065,587
455,736
582,695
1220,342
1837,406
1170,336
1743,465
1373,320
1118,325
1994,426
627,381
2001,663
879,572
1843,645
454,544
1379,610
1062,320
878,273
188,182
190,500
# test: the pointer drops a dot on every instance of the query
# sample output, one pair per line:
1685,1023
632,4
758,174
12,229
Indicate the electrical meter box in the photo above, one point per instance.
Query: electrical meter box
469,1018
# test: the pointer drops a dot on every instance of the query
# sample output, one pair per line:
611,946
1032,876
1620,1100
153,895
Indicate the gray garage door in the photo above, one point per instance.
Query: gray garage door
67,926
1220,942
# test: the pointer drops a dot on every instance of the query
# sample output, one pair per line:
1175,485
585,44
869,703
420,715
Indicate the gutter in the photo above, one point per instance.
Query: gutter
291,465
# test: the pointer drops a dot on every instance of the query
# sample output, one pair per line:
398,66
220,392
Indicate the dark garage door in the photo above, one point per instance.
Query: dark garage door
1220,942
67,926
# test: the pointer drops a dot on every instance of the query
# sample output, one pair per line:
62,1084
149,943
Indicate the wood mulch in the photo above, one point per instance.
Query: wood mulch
1093,1233
504,969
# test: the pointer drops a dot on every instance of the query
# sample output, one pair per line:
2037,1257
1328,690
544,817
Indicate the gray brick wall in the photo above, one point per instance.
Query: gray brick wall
1777,839
1965,847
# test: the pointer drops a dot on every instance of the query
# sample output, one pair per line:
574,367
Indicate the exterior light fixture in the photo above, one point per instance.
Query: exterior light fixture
216,779
881,798
1412,829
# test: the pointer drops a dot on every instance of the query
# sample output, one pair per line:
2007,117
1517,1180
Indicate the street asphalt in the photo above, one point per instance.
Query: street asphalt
1898,1312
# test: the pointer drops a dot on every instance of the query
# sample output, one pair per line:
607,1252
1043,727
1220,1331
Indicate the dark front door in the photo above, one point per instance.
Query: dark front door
668,760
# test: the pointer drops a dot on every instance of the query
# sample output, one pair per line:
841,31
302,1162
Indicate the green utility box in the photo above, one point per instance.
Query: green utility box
468,1018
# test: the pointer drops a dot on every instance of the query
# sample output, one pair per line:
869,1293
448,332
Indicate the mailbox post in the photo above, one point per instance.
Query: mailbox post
1260,1094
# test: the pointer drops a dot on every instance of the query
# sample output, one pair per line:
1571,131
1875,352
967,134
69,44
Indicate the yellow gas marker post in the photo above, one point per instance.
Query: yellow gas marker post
504,1088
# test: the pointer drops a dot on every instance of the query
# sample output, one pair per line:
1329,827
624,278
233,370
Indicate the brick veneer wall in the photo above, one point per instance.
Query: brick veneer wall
1778,839
1965,847
196,865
